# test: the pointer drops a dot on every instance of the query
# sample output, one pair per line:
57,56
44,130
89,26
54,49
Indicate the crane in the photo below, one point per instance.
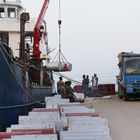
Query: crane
59,63
36,35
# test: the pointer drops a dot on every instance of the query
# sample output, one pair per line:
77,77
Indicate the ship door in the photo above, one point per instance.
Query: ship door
4,37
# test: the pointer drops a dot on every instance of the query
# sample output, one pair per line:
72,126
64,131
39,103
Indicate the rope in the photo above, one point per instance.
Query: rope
14,73
68,78
18,67
22,105
59,23
11,69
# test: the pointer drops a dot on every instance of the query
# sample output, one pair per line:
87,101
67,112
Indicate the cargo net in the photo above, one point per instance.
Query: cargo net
59,63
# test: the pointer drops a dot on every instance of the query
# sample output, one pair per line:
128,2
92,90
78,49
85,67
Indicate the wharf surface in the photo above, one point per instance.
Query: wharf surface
123,116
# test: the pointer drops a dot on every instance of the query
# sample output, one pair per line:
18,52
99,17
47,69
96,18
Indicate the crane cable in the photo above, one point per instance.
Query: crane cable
59,56
59,24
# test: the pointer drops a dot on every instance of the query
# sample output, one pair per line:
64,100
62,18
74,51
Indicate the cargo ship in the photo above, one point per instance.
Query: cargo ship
25,79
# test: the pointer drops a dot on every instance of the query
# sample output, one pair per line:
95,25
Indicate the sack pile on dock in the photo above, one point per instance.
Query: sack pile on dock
60,120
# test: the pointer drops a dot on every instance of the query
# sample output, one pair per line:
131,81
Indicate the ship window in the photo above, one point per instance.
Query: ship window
1,12
11,13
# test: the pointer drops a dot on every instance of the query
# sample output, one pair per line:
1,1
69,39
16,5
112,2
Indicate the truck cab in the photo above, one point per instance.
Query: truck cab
129,76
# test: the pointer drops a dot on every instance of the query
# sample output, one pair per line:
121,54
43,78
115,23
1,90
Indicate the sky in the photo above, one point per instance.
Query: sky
93,32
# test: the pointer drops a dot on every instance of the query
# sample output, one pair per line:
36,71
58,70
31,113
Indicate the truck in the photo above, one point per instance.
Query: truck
128,79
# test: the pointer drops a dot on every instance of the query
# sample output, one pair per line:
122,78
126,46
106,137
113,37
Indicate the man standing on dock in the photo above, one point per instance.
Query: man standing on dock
85,84
94,81
60,83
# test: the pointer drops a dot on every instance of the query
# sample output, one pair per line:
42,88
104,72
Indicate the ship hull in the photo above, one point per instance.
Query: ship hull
17,96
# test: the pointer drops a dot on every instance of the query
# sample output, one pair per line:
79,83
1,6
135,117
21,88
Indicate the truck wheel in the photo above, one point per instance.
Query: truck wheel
125,97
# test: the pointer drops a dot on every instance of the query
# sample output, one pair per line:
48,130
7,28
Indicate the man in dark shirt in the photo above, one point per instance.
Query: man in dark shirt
60,83
69,91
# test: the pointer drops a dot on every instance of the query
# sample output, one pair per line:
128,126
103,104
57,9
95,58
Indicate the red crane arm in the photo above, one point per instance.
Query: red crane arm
36,50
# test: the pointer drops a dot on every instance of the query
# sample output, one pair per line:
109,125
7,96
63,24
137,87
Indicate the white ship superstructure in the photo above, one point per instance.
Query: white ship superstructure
10,12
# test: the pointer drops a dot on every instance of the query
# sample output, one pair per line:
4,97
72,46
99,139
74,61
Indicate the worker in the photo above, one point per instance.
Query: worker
27,52
94,81
62,91
85,84
67,91
87,81
70,91
60,83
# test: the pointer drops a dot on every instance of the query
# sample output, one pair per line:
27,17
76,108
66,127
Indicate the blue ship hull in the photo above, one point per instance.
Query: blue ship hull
17,96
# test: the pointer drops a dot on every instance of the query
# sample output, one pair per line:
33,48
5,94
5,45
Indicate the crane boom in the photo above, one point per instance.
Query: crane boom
36,50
